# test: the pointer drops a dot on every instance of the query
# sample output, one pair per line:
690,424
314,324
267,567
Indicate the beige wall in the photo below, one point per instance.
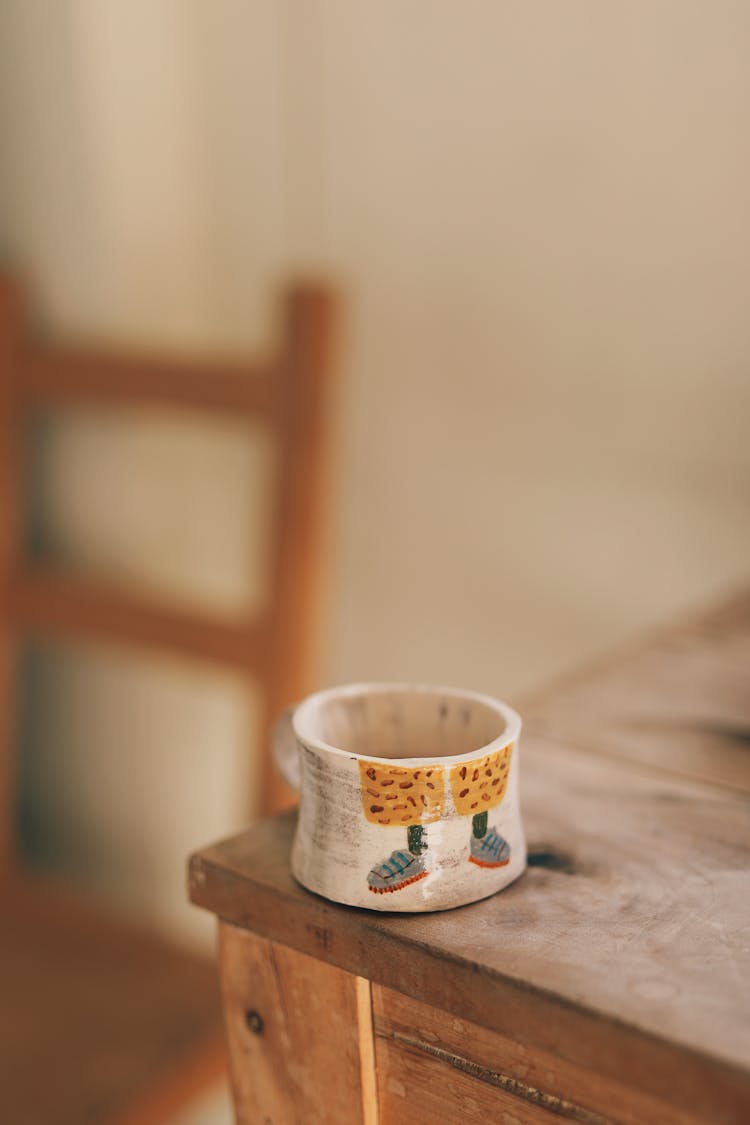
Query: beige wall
538,213
543,210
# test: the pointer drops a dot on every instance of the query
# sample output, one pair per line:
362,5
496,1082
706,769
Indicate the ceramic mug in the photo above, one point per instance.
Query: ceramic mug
408,795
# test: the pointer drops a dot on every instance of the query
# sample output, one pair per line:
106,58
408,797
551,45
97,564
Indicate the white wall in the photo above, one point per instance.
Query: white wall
538,213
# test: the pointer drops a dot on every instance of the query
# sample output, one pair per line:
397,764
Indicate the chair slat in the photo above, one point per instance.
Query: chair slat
52,603
60,377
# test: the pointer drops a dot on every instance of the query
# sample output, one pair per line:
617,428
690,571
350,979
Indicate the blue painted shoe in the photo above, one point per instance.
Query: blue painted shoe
490,850
396,873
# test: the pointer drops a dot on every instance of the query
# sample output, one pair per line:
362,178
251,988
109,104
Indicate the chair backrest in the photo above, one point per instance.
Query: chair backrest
290,394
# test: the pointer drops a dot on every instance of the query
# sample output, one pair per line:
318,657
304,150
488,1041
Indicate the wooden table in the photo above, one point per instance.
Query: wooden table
610,983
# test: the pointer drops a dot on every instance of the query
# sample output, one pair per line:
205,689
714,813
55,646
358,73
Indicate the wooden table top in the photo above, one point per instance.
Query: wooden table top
626,945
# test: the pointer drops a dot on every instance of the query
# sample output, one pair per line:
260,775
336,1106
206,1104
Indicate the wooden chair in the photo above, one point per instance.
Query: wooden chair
102,1021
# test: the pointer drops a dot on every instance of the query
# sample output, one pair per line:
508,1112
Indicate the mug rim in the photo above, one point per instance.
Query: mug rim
303,711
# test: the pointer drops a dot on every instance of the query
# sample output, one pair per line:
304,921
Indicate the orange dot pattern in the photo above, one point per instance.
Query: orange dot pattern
395,795
481,784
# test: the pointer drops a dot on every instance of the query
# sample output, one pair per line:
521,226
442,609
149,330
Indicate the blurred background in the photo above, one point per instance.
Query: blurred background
536,218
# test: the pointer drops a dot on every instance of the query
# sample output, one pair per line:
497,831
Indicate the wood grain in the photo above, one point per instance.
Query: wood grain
414,1083
506,1077
679,703
292,1027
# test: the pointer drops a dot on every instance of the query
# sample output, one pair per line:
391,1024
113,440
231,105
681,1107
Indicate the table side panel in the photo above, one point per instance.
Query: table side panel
292,1026
410,1035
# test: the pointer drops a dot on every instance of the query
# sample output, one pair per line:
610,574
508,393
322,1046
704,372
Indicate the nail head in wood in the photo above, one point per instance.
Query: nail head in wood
254,1021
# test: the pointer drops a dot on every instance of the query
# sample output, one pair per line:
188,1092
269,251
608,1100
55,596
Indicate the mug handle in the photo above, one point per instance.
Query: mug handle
286,748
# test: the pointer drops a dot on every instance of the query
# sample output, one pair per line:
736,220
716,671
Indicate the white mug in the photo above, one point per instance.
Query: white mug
409,796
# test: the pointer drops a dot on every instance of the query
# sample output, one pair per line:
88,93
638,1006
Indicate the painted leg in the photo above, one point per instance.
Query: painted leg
479,825
417,838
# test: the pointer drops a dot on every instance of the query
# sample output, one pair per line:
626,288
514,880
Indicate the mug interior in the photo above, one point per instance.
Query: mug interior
401,721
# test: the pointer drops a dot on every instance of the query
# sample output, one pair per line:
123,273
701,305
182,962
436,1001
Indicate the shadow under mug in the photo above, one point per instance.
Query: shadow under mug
409,796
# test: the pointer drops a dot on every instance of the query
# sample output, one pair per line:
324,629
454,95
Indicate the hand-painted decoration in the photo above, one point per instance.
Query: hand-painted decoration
414,798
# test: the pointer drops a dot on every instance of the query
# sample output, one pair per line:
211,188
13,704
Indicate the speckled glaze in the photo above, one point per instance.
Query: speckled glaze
409,796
